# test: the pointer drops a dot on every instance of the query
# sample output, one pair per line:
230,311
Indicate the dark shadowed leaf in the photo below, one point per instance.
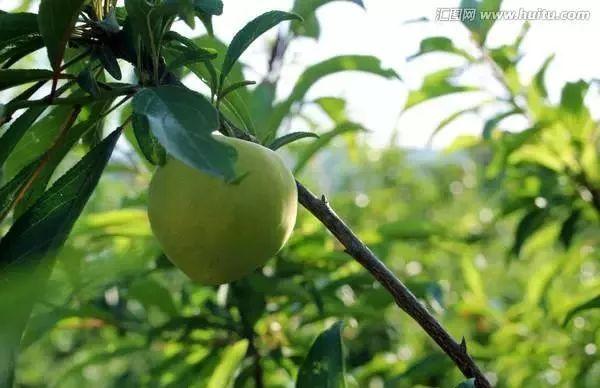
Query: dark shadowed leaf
531,222
15,26
572,96
324,365
249,33
569,227
109,61
87,82
182,121
539,80
14,77
56,20
148,143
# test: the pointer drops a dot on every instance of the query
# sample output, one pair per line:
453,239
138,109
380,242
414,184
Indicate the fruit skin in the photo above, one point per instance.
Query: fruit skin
217,232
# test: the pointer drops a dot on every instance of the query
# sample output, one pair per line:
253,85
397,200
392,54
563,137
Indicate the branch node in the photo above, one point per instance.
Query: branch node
324,199
463,345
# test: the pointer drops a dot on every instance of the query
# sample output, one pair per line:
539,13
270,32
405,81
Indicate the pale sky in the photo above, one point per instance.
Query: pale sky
381,31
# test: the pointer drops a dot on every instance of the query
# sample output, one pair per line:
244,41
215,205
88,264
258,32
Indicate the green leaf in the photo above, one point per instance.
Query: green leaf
17,50
290,138
15,26
15,132
314,73
569,227
306,9
439,44
87,82
323,141
37,234
182,121
573,95
10,191
109,61
493,122
531,222
151,293
435,85
234,87
334,107
593,303
148,143
324,365
56,19
229,362
189,56
479,26
450,119
539,81
248,34
14,77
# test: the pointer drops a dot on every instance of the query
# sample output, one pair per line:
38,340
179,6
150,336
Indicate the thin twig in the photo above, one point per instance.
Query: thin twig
402,295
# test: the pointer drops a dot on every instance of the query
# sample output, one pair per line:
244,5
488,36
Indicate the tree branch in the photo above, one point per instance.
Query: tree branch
401,294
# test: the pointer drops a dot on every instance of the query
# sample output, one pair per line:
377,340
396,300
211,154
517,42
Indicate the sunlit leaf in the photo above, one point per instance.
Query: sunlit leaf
593,303
229,362
249,34
435,85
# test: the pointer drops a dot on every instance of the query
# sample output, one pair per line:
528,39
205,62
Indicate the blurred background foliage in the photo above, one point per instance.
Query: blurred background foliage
498,235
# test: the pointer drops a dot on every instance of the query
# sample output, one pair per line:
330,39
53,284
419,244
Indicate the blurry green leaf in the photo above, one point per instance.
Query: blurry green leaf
493,122
324,365
290,138
414,228
478,25
454,116
569,227
146,23
324,139
434,85
573,95
182,121
229,362
317,71
334,107
593,303
439,44
150,293
17,50
152,150
56,20
15,77
40,232
531,222
306,9
473,279
251,304
248,34
539,81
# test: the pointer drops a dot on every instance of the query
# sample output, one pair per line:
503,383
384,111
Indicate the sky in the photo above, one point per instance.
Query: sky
381,30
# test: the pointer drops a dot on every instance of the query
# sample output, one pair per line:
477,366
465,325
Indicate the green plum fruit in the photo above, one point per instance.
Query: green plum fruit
217,232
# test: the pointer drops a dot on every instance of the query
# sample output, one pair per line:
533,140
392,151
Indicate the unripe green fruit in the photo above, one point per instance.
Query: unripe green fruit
217,232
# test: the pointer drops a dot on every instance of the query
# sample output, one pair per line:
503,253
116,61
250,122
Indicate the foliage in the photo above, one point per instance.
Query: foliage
497,237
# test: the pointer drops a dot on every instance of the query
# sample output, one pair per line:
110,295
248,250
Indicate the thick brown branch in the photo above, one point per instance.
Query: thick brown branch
401,294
